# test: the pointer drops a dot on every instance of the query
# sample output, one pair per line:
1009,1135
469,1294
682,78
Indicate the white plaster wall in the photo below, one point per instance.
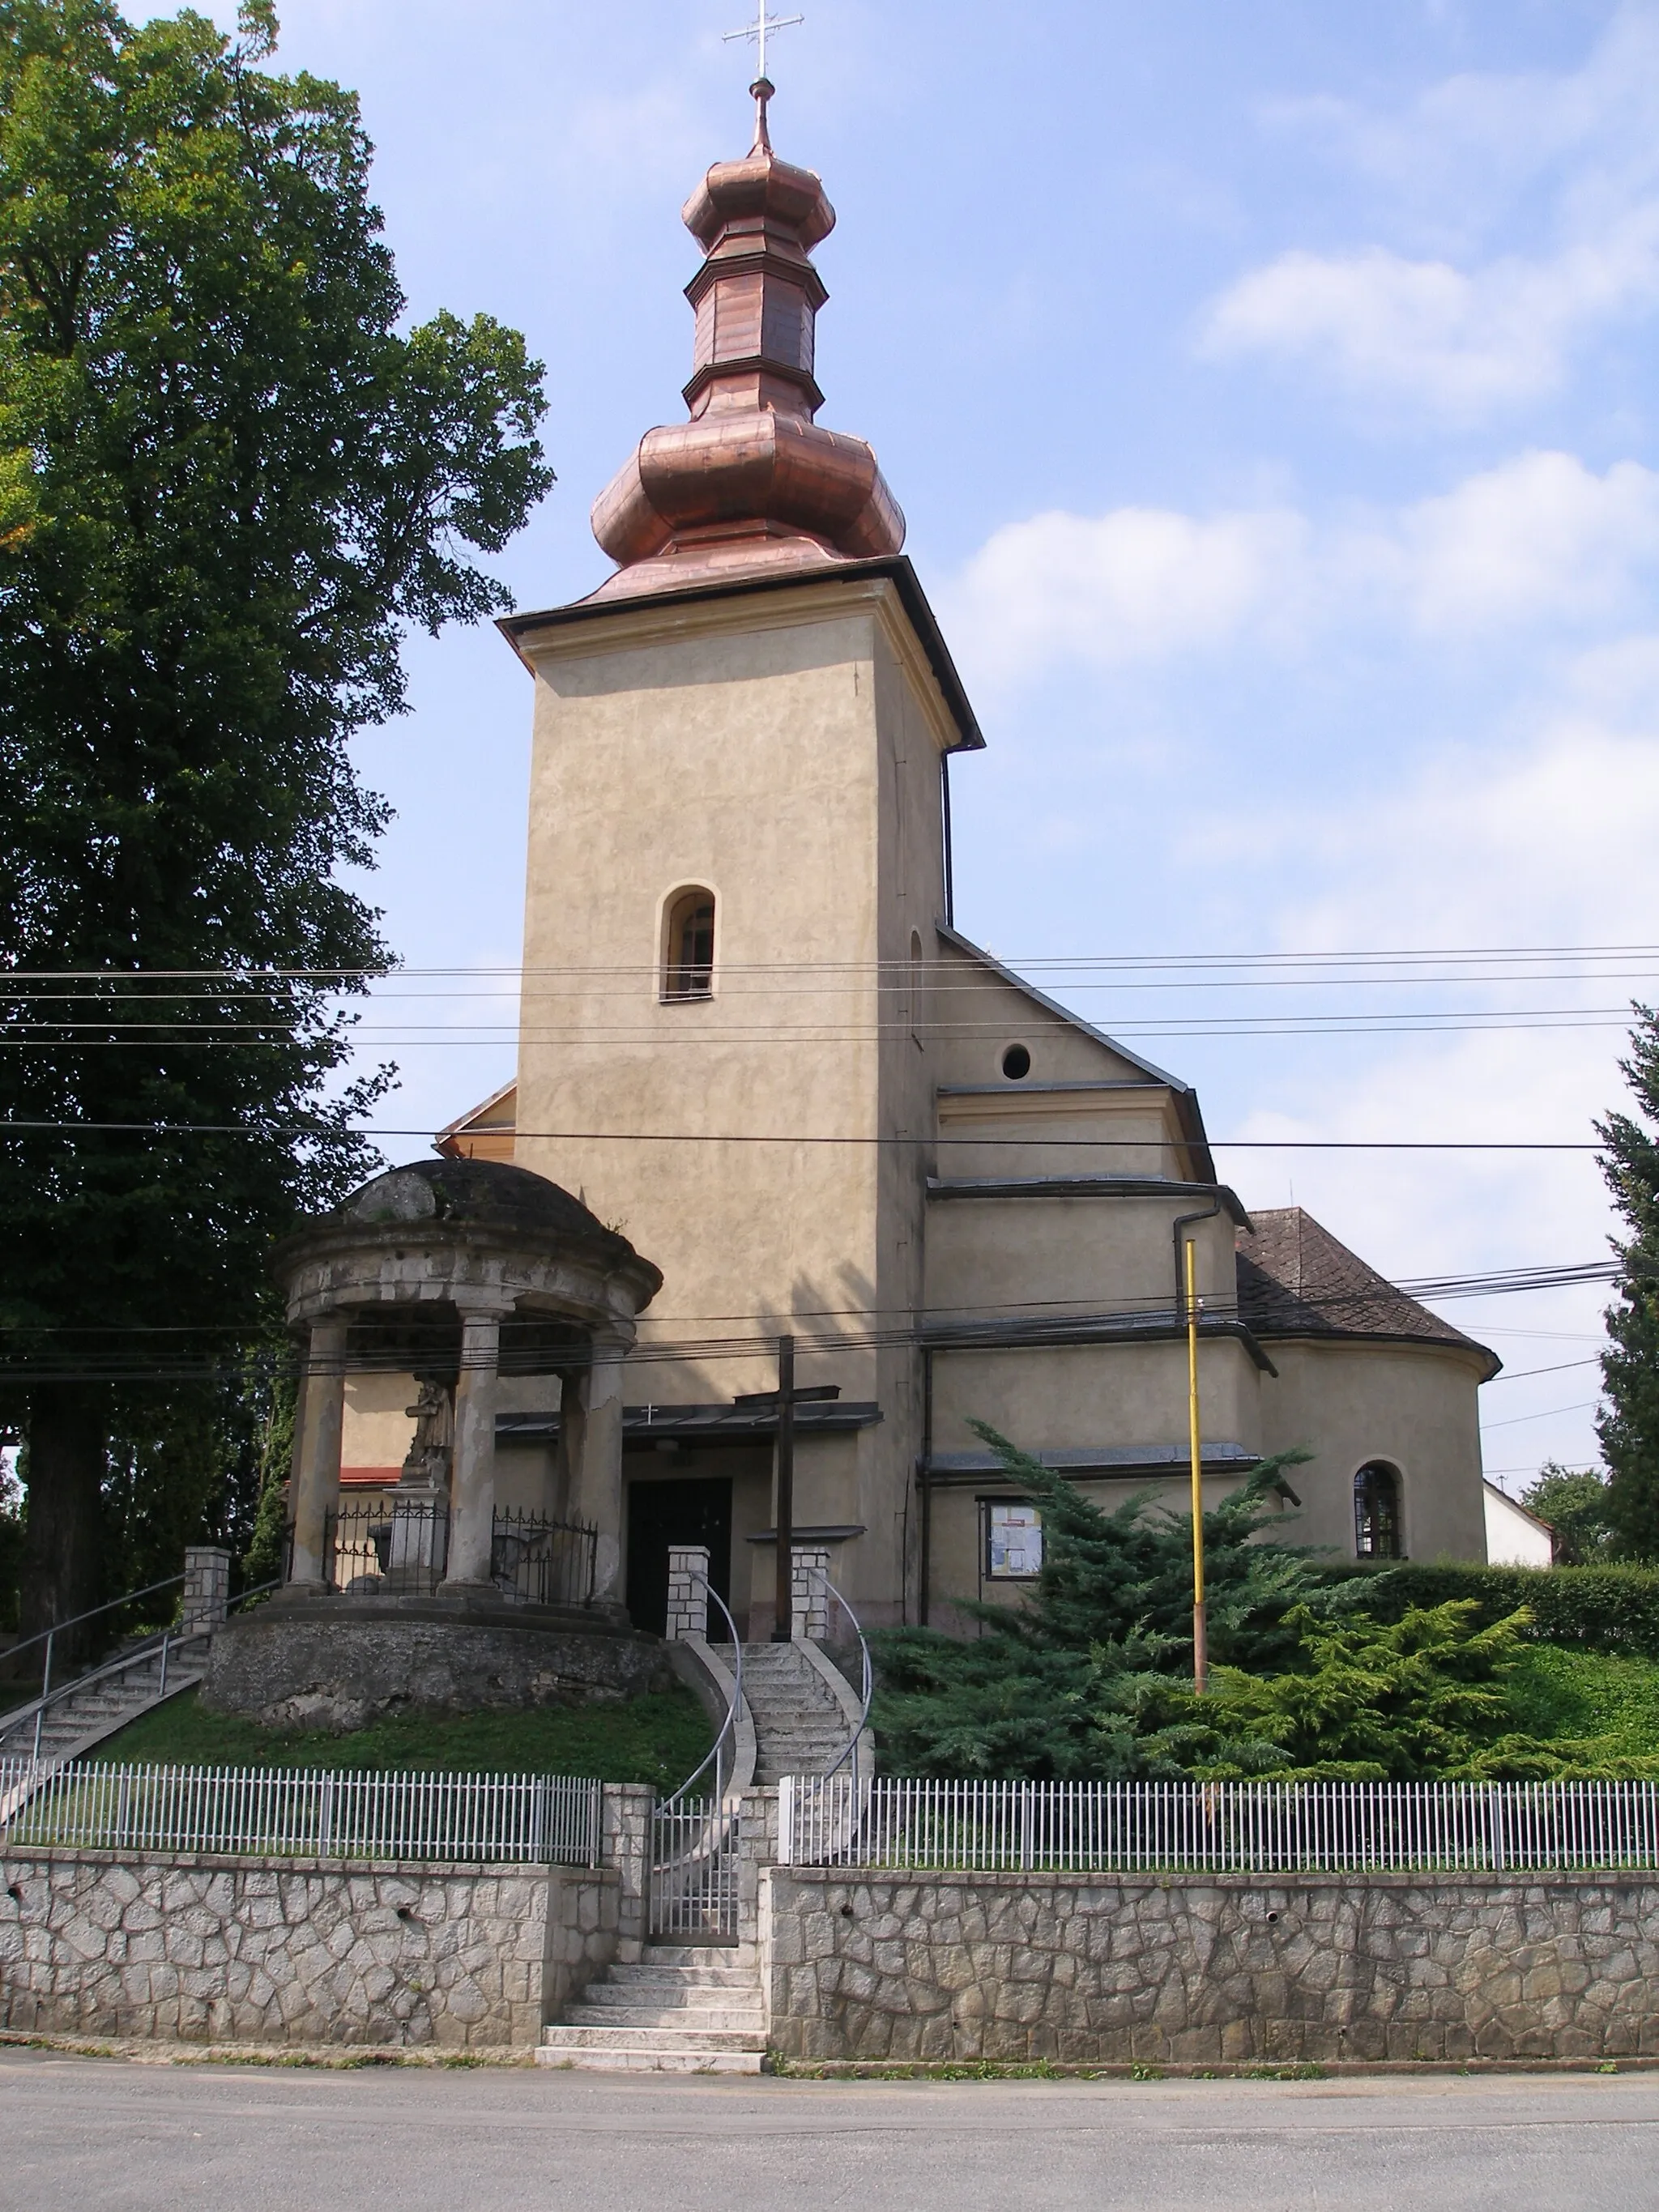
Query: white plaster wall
783,750
1107,1253
1051,1398
378,1431
1414,1406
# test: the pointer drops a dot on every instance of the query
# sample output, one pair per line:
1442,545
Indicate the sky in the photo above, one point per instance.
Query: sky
1271,393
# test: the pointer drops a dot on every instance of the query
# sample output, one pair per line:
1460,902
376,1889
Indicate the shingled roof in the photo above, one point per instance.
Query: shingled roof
1295,1280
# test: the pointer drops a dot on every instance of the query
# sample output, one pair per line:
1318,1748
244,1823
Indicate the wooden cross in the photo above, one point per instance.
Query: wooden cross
785,1398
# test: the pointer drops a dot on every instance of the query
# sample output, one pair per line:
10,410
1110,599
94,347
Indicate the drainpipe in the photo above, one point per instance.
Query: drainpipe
1185,1221
950,862
925,1477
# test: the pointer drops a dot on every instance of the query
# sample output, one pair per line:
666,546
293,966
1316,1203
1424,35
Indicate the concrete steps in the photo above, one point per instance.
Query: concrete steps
679,2009
800,1727
83,1717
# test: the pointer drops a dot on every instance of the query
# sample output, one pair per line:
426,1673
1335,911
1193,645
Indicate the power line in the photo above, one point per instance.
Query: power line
712,1137
1520,1374
1048,962
1038,1325
1514,1419
161,1036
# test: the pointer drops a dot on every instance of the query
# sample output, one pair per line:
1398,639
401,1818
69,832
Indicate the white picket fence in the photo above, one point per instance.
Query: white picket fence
302,1812
1250,1828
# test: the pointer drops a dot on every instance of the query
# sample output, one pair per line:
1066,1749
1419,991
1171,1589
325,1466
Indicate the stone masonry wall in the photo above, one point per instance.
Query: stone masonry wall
1232,1969
281,1951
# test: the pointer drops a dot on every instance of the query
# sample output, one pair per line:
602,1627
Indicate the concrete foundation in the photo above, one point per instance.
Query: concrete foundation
338,1664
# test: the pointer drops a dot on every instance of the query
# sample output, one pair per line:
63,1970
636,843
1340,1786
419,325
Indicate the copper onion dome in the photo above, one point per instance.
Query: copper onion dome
750,482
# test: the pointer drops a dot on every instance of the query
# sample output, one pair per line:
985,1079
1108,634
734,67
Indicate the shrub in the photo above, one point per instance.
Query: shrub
1596,1608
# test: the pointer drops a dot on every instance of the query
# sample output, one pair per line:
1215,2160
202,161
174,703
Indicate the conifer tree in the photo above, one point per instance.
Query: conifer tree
1629,1424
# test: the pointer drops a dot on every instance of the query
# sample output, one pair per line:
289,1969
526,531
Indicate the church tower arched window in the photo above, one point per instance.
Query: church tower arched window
688,944
1377,1512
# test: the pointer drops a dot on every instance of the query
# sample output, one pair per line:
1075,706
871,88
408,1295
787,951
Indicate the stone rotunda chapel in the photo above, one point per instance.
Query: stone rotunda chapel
780,1090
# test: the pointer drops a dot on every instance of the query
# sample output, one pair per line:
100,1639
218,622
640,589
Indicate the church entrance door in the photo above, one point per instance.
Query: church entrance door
664,1513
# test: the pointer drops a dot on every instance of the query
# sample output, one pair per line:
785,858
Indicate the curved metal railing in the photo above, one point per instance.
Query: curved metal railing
867,1686
721,1750
694,1841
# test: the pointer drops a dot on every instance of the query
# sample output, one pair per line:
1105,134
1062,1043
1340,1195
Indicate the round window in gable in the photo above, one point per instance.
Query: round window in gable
1016,1063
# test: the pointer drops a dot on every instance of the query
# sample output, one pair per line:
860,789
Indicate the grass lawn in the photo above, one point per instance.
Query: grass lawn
1574,1695
658,1739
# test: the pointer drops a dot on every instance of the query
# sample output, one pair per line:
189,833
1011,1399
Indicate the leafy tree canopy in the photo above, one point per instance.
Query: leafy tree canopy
1629,1425
229,478
1575,1505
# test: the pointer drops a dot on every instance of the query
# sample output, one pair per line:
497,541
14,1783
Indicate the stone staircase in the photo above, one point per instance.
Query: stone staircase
683,2008
801,1724
101,1702
689,2008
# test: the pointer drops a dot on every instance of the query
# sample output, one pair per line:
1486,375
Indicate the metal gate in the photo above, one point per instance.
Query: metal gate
694,1871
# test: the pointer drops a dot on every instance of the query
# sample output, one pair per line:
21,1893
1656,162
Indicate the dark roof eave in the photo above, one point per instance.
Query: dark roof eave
943,1187
989,1335
896,567
1330,1333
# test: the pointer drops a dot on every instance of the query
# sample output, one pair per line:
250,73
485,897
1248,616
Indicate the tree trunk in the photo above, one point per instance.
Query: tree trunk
62,1542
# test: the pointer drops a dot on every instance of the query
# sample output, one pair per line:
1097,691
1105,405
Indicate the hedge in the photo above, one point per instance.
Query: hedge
1586,1609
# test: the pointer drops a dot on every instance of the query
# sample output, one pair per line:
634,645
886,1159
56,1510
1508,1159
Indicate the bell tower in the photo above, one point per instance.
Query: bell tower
736,867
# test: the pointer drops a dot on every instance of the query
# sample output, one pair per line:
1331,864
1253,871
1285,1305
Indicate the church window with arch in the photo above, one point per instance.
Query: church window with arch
688,946
1377,1512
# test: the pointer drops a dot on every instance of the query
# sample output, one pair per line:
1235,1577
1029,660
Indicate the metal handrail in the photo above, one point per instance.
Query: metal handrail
868,1681
162,1639
728,1726
45,1635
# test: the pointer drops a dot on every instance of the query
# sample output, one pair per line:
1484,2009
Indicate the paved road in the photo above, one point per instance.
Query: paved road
77,2132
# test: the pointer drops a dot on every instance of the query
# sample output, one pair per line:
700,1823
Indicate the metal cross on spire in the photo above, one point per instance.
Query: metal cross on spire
761,87
756,31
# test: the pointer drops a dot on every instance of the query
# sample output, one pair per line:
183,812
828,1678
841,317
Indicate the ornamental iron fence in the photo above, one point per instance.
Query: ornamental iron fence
301,1813
399,1547
1231,1827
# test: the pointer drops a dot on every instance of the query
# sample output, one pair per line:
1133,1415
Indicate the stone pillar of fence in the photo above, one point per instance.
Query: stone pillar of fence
206,1589
757,1849
625,1844
688,1592
810,1601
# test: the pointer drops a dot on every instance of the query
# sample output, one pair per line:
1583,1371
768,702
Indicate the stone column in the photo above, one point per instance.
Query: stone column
472,1484
206,1589
596,1460
688,1591
317,1456
809,1574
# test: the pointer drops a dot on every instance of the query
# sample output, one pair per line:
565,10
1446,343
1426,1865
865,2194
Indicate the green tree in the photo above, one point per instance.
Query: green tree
1629,1424
1422,1698
1064,1683
1575,1503
227,482
1089,1679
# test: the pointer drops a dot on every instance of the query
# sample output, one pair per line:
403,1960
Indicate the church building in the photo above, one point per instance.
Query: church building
756,1041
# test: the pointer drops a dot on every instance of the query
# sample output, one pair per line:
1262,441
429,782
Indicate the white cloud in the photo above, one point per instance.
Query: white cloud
1134,584
1455,344
1541,540
1473,330
1551,846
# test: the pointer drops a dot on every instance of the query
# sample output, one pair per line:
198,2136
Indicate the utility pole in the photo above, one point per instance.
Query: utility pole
1200,1624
